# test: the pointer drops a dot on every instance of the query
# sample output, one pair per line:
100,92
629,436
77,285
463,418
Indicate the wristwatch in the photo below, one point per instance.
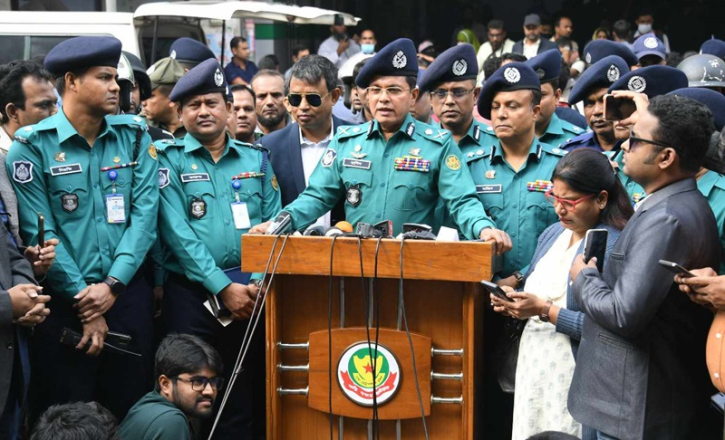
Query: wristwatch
544,315
519,278
117,287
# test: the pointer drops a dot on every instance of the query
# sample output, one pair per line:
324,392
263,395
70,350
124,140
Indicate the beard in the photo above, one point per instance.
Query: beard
270,121
189,406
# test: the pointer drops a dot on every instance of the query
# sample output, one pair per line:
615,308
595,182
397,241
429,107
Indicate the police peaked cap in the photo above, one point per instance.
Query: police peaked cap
649,44
398,58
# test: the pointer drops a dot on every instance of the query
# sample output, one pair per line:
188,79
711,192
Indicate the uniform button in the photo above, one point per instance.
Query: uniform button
378,215
9,345
68,188
386,154
99,219
513,234
226,222
410,185
382,185
515,205
95,185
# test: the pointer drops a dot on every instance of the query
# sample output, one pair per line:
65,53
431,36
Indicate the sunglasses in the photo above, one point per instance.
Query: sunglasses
313,99
569,205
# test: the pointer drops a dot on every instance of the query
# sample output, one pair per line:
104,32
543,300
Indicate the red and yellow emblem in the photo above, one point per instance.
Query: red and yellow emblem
356,377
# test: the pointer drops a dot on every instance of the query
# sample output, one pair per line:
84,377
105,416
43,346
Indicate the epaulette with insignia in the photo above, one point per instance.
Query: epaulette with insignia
553,150
163,144
437,134
478,154
568,126
258,147
131,120
346,131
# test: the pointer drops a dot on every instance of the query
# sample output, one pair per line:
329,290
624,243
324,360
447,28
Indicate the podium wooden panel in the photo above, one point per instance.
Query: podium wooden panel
443,302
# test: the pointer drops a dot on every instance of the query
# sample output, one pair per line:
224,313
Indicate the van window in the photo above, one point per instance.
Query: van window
15,47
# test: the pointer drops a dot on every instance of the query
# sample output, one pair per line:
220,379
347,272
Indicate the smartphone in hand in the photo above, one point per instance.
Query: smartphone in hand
41,230
618,109
595,245
496,290
676,269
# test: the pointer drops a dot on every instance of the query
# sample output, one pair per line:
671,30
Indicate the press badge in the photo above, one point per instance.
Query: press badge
115,208
241,215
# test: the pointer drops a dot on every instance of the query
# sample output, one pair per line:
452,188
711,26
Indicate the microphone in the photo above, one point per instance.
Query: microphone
333,231
385,227
344,226
281,224
315,230
418,231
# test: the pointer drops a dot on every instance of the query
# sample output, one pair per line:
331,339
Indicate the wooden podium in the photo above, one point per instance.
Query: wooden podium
444,307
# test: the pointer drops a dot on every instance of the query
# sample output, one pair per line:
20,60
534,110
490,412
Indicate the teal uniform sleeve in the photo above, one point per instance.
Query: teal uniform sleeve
176,233
322,193
140,234
457,189
272,203
156,254
64,275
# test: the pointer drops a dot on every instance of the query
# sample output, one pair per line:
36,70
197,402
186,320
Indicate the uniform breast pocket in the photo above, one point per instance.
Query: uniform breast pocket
200,199
493,204
412,189
71,201
358,188
540,211
251,193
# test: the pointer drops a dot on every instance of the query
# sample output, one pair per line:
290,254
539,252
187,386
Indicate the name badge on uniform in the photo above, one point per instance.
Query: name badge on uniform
356,163
241,215
115,208
195,177
66,169
488,189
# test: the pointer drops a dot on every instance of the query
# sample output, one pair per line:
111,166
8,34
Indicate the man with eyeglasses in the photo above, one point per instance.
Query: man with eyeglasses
297,149
187,380
213,188
550,129
394,168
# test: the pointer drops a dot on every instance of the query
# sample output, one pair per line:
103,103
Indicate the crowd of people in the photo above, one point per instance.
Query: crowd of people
126,191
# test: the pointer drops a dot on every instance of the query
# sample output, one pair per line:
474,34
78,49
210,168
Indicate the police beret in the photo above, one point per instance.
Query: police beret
187,50
165,72
649,44
398,58
600,75
713,47
711,99
598,49
547,65
455,64
205,78
509,77
651,80
83,52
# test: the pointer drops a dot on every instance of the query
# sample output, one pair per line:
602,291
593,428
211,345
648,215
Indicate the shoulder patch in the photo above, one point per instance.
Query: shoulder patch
152,152
22,171
163,177
453,162
346,131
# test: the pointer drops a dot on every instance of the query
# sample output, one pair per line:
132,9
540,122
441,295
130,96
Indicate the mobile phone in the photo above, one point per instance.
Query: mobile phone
595,245
676,268
41,230
496,290
718,402
617,109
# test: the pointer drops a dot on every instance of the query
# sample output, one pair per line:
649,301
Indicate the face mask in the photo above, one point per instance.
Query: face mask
367,49
644,28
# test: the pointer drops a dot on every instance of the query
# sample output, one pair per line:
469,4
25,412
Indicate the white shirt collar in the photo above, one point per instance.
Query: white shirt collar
304,142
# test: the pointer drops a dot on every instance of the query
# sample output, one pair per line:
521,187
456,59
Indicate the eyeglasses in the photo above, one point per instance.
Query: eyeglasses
313,99
456,94
199,383
569,205
633,142
393,92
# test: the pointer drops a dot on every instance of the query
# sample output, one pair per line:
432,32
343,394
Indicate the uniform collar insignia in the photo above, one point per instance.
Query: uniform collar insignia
410,129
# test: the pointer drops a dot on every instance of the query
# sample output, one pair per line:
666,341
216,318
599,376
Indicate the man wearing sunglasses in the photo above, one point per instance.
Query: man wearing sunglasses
394,167
187,372
297,149
639,329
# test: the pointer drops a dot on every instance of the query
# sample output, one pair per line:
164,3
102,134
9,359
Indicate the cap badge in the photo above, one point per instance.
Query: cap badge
588,58
540,73
173,54
637,84
512,75
399,60
650,42
460,67
613,73
218,77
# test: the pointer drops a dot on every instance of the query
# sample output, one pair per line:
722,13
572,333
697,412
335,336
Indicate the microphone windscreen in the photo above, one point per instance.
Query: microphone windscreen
333,231
344,226
315,230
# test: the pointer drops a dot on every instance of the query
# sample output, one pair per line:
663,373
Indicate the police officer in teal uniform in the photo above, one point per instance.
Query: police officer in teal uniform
394,168
550,129
451,81
94,179
513,176
591,88
213,189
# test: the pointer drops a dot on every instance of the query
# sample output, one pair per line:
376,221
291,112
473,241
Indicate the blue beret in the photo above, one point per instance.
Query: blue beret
651,80
455,64
713,47
547,65
398,58
509,77
598,49
83,52
187,50
600,75
711,99
205,78
649,44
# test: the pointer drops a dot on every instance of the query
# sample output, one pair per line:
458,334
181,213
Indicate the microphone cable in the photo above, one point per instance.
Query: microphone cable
410,339
329,338
376,292
249,334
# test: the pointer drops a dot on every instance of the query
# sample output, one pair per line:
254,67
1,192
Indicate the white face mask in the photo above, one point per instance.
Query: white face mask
644,28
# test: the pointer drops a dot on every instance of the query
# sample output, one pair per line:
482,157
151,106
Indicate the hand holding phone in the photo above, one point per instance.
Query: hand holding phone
496,290
595,245
41,231
676,269
618,108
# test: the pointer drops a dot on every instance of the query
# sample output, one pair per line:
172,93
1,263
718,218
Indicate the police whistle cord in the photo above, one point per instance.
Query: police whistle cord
249,334
329,337
410,339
